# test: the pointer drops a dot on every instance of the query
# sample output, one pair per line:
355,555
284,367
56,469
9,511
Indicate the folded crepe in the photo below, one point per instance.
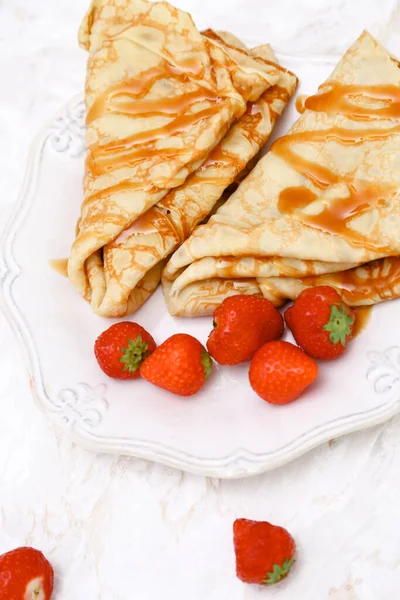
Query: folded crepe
365,285
159,97
325,199
131,265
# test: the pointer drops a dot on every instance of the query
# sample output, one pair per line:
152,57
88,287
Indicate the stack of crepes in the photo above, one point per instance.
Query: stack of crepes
322,207
173,117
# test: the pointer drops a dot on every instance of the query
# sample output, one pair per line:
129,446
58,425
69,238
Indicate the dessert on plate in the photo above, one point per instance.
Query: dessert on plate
321,208
173,116
176,120
141,249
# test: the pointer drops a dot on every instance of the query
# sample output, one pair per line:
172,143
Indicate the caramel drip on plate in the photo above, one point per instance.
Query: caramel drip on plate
337,213
60,265
363,316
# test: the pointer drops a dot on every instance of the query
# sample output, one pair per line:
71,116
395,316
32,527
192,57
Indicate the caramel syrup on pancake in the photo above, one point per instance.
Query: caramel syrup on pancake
378,102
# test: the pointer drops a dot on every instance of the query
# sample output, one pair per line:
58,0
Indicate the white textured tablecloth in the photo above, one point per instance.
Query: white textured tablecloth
123,529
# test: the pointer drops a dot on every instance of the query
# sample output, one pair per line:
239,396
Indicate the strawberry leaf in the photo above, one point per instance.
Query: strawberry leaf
207,363
339,325
133,356
278,572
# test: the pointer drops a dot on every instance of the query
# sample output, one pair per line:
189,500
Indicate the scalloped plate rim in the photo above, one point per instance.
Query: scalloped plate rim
240,463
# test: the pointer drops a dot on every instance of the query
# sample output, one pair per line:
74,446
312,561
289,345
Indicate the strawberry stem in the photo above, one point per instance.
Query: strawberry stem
207,363
339,324
134,354
278,572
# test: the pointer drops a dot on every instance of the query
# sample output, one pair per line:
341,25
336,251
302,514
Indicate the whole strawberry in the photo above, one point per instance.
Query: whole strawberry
179,365
264,552
242,324
121,349
321,323
280,372
25,573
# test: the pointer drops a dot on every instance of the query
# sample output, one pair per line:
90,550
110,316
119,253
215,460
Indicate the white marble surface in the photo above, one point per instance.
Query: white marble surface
122,529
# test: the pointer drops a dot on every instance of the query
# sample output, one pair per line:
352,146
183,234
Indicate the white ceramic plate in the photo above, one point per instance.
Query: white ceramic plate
226,430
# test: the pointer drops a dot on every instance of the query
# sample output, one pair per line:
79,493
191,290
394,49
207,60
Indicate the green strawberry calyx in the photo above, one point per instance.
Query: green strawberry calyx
278,572
339,324
133,356
206,362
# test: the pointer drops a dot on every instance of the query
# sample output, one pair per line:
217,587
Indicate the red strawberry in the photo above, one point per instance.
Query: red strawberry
264,552
25,574
242,324
179,365
280,372
121,349
321,323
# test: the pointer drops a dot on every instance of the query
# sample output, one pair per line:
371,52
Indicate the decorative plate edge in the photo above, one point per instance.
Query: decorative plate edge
385,367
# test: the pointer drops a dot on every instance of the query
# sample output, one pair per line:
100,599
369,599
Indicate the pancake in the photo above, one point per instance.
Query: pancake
324,200
131,261
159,97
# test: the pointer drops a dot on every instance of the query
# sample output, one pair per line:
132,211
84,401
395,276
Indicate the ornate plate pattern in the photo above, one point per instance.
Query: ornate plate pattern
226,431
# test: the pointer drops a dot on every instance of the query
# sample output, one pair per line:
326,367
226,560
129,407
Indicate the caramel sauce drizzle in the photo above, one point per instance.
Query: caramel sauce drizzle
122,186
127,152
379,278
336,216
164,106
300,103
136,86
154,220
293,198
342,98
126,98
111,102
363,316
217,158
